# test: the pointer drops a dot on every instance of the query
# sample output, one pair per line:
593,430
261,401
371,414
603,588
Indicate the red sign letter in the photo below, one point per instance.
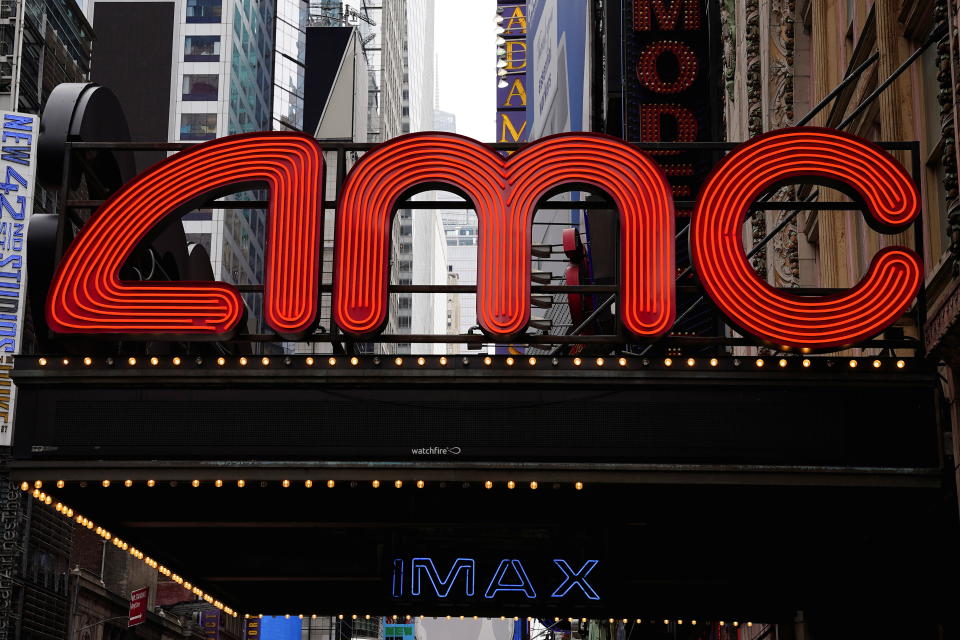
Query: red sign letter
779,317
87,295
505,194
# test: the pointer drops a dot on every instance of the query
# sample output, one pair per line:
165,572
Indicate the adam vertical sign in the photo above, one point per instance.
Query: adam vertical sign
18,163
512,71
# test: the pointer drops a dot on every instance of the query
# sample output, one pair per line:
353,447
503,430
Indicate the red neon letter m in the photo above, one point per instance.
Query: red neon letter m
505,194
87,295
667,12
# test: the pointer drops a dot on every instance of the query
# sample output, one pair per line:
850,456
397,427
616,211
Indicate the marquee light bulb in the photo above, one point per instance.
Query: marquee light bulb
375,484
510,362
398,483
241,483
176,361
534,485
782,362
853,364
285,484
195,483
221,361
511,484
600,362
88,361
131,361
151,483
265,361
622,362
806,363
876,364
308,483
398,361
420,484
354,360
668,362
488,361
691,362
332,361
901,364
532,362
443,361
759,362
714,362
42,362
106,483
128,483
577,362
421,361
488,485
331,484
578,485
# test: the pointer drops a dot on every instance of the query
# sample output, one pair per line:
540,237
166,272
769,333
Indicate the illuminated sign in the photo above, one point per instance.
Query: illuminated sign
420,577
670,97
512,71
18,164
88,297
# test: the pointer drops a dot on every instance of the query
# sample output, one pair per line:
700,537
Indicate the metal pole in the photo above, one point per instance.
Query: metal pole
850,77
933,37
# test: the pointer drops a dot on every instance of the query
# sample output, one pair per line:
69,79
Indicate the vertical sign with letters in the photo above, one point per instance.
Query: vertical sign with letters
672,94
210,621
512,98
18,163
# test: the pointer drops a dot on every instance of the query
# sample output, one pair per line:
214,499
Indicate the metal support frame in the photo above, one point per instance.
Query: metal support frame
67,215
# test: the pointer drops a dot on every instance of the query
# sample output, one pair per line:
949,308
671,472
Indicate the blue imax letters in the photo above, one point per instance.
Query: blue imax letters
509,576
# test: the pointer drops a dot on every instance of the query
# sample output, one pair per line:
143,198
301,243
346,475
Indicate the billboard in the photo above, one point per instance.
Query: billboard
559,63
18,164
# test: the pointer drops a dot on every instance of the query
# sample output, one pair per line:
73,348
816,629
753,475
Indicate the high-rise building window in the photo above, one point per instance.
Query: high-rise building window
203,10
200,86
198,126
201,49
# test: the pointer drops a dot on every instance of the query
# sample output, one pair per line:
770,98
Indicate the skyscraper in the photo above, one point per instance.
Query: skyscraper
208,67
419,235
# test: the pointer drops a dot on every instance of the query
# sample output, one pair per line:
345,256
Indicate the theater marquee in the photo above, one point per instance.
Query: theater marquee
87,296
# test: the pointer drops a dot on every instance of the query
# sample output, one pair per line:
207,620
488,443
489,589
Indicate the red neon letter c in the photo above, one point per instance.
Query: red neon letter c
87,295
782,318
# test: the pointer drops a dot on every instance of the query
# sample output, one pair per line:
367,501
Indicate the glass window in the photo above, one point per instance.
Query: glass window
203,10
198,126
200,86
201,49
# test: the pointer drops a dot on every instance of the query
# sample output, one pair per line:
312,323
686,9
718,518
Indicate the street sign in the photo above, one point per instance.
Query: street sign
138,607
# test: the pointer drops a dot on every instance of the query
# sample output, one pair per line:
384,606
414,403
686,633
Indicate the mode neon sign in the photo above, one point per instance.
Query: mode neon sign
88,297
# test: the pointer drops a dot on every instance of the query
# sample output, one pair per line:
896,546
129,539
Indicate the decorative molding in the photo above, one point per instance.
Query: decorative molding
754,76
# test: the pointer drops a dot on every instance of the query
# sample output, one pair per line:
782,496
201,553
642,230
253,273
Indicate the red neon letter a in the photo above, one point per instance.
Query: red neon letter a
87,295
780,317
505,194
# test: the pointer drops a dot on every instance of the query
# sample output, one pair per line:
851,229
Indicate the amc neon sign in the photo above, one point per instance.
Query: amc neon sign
88,297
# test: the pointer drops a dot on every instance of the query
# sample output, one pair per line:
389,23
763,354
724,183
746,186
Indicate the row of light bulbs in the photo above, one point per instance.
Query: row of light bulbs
410,618
420,484
122,545
510,361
